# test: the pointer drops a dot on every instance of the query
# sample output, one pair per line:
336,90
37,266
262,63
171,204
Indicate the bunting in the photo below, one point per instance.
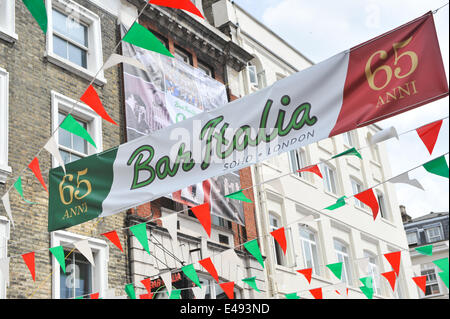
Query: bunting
391,277
203,214
336,269
95,295
85,249
38,11
166,277
312,169
442,264
351,151
147,284
251,281
170,223
316,293
339,203
190,272
228,288
52,147
115,59
405,179
280,236
307,273
186,5
175,294
199,293
429,134
292,296
253,248
425,250
91,98
29,261
421,282
210,268
34,166
114,238
444,277
437,166
368,292
58,252
383,135
140,232
368,198
18,187
141,37
129,289
72,126
239,195
394,259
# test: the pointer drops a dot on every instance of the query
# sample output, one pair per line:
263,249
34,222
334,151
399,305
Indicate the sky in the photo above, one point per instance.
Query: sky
322,28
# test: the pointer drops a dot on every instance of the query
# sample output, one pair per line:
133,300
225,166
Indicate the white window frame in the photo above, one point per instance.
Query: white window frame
100,252
325,168
346,268
211,283
433,226
205,68
382,204
7,21
82,111
297,156
349,138
427,267
282,261
355,182
95,52
310,243
4,237
252,68
417,237
5,170
374,271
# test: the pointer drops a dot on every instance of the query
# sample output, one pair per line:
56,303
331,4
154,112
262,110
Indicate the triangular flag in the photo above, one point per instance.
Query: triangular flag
129,289
351,151
29,261
114,238
317,293
146,296
292,296
437,166
140,231
228,288
190,272
444,277
253,248
336,269
391,277
53,149
368,198
383,135
147,282
421,282
210,268
58,252
312,169
85,249
34,166
425,250
203,214
115,59
7,205
72,126
166,277
239,195
38,11
307,273
339,203
363,265
91,98
170,223
394,259
367,281
18,187
280,236
429,134
442,264
368,292
175,294
405,179
140,36
199,293
178,4
95,295
251,281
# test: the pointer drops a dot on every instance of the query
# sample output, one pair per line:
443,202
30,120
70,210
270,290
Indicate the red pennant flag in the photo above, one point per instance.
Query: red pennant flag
307,273
317,293
114,238
421,282
209,266
178,4
312,169
146,296
368,198
29,261
391,277
90,97
95,295
429,134
34,166
147,282
203,214
394,259
280,237
228,288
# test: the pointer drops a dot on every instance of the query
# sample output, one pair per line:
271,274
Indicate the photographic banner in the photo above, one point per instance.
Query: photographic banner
383,77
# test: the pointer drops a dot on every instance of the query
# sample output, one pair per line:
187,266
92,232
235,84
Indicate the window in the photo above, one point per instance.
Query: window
382,204
375,153
219,221
7,21
412,238
298,161
214,291
4,237
279,254
205,69
432,285
81,278
74,39
357,188
373,271
342,254
262,79
329,178
73,147
349,139
252,75
310,250
4,113
182,55
434,234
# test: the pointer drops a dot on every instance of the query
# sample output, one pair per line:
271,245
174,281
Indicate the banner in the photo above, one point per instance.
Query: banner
388,75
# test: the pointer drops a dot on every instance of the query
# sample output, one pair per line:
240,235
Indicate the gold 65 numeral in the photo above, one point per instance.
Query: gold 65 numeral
71,190
370,75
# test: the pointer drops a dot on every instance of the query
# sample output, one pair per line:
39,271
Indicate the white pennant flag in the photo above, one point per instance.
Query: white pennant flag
6,204
199,293
115,59
405,179
84,248
170,223
167,279
342,289
53,149
4,270
363,265
383,135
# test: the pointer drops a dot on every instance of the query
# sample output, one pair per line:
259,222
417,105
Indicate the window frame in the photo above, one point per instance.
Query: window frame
416,234
429,267
384,212
346,264
212,284
374,270
180,51
438,226
8,15
349,139
354,181
315,264
296,156
209,71
325,168
5,169
280,257
4,238
252,67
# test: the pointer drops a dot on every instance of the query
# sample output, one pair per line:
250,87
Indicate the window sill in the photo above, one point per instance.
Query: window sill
5,171
71,67
331,194
8,36
303,180
269,165
375,163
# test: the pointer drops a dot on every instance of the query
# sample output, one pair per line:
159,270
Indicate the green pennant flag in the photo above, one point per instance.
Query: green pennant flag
339,203
58,252
351,151
140,231
38,11
251,281
175,294
18,187
425,250
367,291
129,289
292,296
72,126
190,272
437,166
442,264
336,269
79,297
367,282
140,36
444,277
239,195
253,248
